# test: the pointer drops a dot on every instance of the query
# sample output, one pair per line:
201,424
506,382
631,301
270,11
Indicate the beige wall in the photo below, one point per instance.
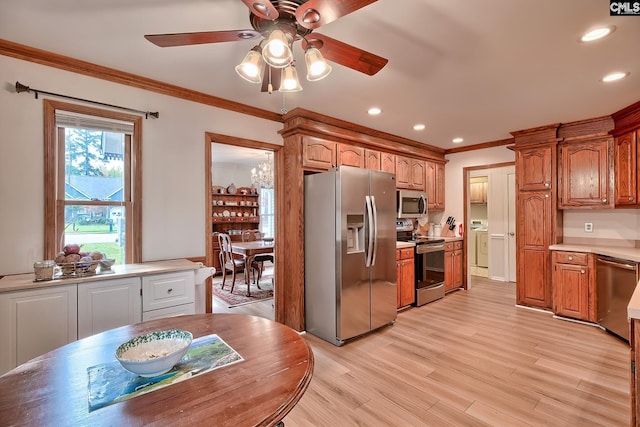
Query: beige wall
173,164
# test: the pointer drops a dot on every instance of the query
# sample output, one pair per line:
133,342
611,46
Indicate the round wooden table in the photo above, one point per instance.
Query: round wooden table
261,390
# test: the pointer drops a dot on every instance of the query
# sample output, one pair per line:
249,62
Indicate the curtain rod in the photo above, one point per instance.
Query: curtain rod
22,88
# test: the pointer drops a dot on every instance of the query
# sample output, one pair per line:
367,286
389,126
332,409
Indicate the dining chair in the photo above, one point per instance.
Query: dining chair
258,260
228,262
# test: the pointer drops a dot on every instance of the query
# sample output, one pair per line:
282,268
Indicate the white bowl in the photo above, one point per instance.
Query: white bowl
154,353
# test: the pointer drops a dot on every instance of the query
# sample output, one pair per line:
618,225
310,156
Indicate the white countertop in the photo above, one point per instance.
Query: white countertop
19,282
400,245
631,254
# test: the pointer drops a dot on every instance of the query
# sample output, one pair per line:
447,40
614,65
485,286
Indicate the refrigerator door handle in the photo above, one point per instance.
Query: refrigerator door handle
370,226
375,230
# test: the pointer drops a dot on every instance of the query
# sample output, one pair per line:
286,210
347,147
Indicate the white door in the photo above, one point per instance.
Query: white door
511,238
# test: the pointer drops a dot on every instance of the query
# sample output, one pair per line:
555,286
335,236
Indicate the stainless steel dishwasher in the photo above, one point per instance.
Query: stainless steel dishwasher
616,279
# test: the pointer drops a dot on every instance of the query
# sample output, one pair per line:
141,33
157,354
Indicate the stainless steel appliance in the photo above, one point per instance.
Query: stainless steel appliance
350,252
429,263
411,204
616,279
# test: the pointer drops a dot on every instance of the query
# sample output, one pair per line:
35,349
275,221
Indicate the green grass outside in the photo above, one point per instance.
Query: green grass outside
90,228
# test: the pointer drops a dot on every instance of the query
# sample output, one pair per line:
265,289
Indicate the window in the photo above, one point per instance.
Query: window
267,212
92,187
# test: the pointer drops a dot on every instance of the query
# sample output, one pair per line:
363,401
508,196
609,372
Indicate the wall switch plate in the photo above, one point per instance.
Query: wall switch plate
588,227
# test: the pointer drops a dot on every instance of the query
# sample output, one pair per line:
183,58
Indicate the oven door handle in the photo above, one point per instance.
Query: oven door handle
423,249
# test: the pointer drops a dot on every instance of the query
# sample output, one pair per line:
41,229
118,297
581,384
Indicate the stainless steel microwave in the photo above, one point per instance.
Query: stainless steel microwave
411,204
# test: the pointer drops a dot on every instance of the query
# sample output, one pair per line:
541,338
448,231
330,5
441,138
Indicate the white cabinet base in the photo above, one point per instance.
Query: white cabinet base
178,310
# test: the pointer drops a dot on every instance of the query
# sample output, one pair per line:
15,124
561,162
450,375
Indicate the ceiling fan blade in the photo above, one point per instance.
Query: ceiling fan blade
315,13
345,54
185,39
276,77
264,9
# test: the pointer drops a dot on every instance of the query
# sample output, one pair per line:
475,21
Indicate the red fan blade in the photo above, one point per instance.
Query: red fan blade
315,13
276,76
345,54
185,39
264,9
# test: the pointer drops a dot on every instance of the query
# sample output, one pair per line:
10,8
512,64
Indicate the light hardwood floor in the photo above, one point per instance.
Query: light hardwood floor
470,359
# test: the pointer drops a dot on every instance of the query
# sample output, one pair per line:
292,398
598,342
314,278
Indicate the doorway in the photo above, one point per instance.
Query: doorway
489,216
230,163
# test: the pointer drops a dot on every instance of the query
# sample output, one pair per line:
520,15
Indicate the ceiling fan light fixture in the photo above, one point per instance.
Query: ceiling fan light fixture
277,51
251,66
317,66
290,82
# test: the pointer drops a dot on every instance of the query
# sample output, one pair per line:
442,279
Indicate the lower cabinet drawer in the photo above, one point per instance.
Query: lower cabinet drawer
167,290
577,258
178,310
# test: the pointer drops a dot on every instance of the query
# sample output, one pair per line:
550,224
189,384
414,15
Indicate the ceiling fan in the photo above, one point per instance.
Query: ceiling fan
280,23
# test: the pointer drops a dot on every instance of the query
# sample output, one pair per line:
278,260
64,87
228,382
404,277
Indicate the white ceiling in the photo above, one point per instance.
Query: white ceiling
475,69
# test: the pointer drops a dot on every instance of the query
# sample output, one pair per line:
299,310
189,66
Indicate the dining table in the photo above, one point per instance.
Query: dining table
275,369
248,251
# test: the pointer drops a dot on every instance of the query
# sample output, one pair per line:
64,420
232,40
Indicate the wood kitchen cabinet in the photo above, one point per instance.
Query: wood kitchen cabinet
626,191
108,304
410,173
453,266
33,322
350,155
405,276
372,159
585,174
434,185
318,153
538,220
534,168
388,162
574,287
478,192
533,275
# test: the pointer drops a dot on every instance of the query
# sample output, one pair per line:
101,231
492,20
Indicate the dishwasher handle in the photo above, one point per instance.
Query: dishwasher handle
632,267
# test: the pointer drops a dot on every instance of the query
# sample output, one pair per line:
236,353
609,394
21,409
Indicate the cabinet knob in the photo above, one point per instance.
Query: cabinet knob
582,271
604,200
546,195
512,234
631,198
570,258
546,184
169,290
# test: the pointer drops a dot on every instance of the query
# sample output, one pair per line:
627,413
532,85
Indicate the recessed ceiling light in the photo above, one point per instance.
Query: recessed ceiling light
612,77
419,126
374,111
597,33
457,140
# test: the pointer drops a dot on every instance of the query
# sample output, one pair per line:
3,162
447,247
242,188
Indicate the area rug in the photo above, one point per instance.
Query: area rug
239,295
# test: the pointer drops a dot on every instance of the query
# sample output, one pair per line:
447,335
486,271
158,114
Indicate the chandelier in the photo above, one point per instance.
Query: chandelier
262,175
278,53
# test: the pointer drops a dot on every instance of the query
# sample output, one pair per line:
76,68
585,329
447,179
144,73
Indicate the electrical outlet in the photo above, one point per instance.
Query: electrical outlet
588,227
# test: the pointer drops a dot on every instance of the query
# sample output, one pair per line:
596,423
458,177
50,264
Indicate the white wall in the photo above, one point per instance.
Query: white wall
225,174
454,179
619,227
173,217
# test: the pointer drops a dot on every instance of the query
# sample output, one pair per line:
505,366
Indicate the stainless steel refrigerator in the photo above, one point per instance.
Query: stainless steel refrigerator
350,252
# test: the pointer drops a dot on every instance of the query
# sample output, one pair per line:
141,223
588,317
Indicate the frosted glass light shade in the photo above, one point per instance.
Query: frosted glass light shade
276,51
290,82
251,67
317,67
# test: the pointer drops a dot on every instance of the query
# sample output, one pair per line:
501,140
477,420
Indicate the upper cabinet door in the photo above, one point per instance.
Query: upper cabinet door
349,155
585,175
417,175
626,169
534,168
410,173
372,159
318,153
388,162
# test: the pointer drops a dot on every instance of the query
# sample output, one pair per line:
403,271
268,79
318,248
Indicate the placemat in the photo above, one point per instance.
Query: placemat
110,383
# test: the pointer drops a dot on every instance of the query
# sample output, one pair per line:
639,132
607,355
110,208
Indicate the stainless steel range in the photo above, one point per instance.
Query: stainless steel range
429,263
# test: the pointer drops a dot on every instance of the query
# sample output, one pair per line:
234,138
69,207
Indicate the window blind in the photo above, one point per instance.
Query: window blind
82,121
